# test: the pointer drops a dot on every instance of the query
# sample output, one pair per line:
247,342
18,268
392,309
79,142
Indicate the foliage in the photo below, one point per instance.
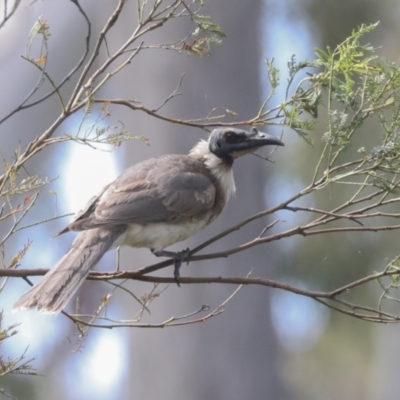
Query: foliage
18,365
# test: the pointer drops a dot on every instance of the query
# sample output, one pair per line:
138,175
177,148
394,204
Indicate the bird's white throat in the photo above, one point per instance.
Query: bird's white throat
218,167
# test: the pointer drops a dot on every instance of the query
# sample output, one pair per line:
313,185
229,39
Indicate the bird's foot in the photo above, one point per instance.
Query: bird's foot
178,257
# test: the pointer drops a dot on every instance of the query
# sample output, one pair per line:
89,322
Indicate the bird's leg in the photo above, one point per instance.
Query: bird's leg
177,256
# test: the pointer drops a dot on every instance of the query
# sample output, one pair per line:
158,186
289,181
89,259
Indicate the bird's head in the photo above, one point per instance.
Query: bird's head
231,143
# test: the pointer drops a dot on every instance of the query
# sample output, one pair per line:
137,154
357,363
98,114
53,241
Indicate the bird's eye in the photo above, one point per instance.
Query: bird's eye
230,136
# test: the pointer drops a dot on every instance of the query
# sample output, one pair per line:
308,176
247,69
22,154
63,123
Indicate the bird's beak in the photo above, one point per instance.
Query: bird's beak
251,141
255,139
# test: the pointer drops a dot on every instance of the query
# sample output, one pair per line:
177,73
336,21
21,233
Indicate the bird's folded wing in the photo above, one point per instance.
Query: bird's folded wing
170,198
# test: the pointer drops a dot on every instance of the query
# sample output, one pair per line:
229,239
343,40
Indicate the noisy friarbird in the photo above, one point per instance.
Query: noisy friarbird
153,204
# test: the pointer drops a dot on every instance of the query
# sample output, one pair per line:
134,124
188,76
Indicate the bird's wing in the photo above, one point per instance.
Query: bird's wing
82,215
189,195
154,192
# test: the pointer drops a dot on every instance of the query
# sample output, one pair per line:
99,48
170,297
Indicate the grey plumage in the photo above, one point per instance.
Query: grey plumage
61,282
168,189
153,204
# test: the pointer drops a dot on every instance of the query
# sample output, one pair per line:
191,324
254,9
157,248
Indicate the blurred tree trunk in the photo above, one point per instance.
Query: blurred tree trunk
233,356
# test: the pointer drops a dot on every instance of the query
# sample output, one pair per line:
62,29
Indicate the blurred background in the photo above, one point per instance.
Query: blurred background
267,343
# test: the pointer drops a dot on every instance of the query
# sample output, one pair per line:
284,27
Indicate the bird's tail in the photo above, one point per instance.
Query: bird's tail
53,292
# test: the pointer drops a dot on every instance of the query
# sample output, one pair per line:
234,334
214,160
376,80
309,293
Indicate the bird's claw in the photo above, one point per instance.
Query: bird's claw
177,266
177,257
180,255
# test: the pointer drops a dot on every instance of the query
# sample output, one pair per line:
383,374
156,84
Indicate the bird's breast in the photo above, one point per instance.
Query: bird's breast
160,235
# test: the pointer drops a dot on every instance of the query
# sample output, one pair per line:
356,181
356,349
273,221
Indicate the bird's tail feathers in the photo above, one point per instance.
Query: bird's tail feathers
53,292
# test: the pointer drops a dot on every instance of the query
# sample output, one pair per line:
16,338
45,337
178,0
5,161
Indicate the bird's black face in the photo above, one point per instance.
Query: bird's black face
230,143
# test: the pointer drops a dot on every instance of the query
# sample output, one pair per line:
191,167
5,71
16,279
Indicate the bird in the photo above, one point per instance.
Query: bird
152,204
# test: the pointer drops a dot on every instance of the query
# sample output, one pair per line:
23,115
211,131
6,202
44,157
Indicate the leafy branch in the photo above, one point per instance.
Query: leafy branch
17,365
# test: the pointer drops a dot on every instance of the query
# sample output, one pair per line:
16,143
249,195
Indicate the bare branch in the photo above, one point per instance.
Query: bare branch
8,13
